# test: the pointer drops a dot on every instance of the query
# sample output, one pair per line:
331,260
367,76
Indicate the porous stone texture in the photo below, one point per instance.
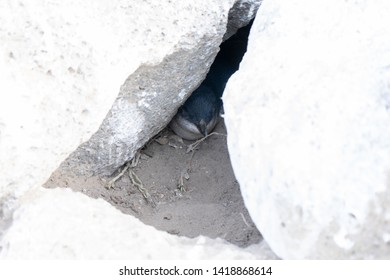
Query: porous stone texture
308,118
62,65
242,12
58,81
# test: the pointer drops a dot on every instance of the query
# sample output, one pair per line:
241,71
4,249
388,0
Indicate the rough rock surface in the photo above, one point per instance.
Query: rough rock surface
58,80
308,118
242,12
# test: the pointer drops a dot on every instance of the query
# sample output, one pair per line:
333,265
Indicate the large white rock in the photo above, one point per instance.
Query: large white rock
60,224
308,119
58,80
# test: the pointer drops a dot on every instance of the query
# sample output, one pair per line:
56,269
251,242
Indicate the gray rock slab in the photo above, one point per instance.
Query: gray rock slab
242,12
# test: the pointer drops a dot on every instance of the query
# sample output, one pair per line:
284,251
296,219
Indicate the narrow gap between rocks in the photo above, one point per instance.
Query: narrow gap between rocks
182,191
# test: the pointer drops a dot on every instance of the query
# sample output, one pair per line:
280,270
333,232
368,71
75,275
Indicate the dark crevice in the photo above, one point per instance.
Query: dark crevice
199,114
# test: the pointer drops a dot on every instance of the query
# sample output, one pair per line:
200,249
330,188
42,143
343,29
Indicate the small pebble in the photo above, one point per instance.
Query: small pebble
168,217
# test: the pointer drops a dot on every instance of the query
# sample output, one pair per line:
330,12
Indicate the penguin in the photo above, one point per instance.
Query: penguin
197,117
199,114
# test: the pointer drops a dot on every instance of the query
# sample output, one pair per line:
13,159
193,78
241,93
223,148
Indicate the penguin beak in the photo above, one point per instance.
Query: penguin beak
203,128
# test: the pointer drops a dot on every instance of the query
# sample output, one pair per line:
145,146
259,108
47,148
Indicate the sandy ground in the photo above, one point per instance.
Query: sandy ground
187,193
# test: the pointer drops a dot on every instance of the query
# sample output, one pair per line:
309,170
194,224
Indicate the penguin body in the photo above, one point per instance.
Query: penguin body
200,113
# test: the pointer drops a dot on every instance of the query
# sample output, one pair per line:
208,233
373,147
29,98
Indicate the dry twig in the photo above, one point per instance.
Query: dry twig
111,183
194,145
135,180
